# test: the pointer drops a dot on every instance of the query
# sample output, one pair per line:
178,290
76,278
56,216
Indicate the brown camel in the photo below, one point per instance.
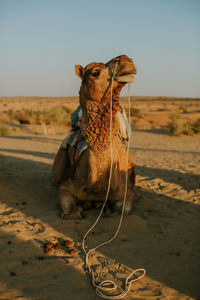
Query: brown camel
84,180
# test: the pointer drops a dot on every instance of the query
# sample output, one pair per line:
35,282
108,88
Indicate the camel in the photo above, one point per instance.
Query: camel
83,179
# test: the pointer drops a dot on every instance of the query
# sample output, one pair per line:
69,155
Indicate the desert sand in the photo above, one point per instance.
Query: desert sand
161,235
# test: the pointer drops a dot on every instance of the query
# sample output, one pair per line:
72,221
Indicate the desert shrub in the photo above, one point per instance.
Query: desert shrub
134,112
23,118
187,129
10,112
176,125
5,131
59,115
134,124
164,108
196,126
28,112
183,109
161,109
179,126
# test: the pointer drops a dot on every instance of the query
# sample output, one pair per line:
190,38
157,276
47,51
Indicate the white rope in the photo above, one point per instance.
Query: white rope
109,285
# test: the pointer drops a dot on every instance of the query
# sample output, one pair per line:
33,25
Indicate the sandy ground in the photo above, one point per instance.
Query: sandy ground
162,234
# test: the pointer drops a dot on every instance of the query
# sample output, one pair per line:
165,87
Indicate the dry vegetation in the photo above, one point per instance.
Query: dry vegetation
5,131
175,116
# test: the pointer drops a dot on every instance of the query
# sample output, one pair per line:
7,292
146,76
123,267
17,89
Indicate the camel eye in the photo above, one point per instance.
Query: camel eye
96,74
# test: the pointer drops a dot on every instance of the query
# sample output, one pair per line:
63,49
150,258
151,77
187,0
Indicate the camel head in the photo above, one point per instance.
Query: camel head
97,77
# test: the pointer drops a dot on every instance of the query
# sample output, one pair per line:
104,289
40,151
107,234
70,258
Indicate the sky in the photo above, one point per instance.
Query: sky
42,40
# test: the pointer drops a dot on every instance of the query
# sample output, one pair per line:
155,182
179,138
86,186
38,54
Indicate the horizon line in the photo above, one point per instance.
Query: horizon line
135,96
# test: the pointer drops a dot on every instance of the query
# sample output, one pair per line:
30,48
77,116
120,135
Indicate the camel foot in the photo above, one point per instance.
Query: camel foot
73,211
107,212
117,208
72,215
86,205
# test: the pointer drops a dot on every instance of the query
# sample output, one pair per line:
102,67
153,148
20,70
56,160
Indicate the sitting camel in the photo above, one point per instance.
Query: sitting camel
83,178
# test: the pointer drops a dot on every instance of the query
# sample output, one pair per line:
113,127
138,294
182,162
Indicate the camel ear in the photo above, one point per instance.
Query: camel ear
80,72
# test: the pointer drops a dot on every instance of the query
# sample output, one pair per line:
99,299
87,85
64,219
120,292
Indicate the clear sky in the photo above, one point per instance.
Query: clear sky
42,40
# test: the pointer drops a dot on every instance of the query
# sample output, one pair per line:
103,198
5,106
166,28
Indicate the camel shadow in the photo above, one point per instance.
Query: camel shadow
188,181
163,150
170,248
27,152
34,138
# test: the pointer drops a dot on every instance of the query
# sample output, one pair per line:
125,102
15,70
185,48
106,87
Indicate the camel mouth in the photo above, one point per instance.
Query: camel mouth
125,78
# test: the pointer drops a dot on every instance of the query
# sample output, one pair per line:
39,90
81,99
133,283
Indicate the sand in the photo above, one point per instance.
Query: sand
161,235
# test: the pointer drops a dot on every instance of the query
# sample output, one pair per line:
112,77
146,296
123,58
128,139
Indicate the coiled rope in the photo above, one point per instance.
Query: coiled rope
109,285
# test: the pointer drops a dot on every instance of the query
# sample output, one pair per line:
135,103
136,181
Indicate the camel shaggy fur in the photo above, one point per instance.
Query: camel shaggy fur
83,179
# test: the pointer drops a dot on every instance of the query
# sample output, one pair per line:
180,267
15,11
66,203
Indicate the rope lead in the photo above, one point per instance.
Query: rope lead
109,285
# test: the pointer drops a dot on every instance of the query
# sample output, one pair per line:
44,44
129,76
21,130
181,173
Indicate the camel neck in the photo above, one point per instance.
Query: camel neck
96,125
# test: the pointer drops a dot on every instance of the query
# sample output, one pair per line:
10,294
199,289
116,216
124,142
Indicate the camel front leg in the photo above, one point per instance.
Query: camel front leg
70,210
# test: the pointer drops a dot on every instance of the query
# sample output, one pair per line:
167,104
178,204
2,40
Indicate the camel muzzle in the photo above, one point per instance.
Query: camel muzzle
125,78
126,70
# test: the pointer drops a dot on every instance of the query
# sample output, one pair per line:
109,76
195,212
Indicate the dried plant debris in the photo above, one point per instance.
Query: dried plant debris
48,245
57,246
72,252
67,243
60,244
